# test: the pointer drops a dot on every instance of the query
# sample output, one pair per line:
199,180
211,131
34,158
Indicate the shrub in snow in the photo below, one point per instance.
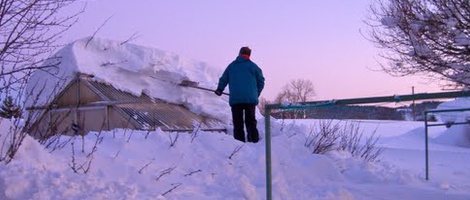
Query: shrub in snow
323,137
351,140
328,135
8,109
11,138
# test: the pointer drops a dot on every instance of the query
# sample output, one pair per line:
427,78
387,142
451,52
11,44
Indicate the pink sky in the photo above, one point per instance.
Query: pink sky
316,40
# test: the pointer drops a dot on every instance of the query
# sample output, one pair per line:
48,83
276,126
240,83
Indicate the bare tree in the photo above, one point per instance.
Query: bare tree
426,37
262,104
9,108
29,30
299,90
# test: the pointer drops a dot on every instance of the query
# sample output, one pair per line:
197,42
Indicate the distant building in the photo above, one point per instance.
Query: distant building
416,111
358,112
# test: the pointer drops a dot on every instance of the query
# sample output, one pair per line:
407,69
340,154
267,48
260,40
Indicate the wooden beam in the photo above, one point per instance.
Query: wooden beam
93,104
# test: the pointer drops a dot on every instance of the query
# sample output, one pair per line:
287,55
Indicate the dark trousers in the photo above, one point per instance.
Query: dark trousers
248,112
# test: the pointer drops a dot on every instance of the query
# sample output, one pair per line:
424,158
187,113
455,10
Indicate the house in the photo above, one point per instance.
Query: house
91,99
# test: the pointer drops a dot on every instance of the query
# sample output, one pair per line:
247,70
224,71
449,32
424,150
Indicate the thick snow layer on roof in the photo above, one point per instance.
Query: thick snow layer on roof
134,69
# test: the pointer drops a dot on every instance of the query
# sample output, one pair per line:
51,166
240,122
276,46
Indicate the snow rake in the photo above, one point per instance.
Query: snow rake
192,84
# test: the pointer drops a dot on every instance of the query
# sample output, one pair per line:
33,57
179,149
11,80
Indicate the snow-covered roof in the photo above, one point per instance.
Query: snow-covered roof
134,69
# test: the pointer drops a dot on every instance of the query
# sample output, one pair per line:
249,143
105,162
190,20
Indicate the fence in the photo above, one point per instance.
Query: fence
447,124
314,104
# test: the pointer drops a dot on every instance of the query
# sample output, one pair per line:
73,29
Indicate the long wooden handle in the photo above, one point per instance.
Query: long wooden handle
207,89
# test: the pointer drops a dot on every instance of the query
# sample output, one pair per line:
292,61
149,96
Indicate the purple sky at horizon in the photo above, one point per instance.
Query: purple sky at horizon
316,40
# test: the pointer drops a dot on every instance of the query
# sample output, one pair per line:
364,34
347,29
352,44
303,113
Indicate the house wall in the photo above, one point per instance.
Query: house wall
116,120
92,119
61,121
52,123
77,93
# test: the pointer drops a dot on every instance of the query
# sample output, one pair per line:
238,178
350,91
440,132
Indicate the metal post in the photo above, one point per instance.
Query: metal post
426,143
267,116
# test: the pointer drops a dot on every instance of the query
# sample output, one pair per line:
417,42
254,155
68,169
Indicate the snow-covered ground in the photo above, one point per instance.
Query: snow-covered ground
139,165
126,164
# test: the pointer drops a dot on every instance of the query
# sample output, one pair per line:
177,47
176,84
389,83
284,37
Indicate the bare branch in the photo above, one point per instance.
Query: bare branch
165,172
173,140
175,185
97,30
133,37
145,166
117,154
193,172
29,31
196,131
236,150
426,37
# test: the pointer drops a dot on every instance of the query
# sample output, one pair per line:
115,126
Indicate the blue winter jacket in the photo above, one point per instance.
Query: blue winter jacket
245,80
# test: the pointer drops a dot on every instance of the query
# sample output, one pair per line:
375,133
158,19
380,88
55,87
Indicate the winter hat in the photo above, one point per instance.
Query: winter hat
245,51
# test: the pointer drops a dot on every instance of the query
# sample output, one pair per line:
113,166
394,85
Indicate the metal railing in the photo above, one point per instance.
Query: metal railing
447,124
314,104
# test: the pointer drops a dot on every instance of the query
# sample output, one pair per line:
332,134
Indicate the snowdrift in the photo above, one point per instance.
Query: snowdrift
125,164
458,135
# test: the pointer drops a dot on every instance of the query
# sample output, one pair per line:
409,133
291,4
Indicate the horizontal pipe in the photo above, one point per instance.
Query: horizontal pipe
447,110
93,104
449,124
367,100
